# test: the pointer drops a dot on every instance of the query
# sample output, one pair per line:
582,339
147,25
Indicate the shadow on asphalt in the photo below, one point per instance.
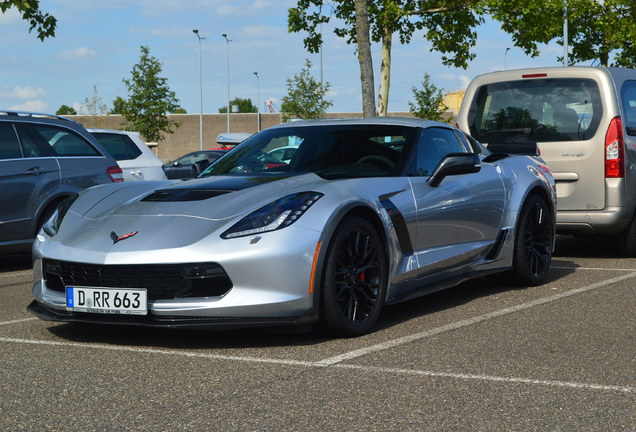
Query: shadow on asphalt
10,263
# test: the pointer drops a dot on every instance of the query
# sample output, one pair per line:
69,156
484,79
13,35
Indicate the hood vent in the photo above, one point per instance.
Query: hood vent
174,195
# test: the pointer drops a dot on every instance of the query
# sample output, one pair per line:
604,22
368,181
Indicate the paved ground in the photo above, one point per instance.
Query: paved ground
480,357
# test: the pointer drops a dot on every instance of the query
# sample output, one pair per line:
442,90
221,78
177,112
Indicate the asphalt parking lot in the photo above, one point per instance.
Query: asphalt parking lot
483,356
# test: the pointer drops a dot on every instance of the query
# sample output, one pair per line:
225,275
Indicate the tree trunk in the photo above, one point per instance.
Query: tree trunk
365,59
385,73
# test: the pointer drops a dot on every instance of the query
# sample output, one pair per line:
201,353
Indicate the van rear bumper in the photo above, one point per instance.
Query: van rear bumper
611,220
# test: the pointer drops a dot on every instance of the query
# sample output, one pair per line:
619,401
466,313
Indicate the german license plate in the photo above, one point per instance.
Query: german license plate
107,300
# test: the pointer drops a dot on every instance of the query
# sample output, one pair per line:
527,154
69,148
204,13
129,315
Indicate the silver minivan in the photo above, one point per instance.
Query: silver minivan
43,160
583,120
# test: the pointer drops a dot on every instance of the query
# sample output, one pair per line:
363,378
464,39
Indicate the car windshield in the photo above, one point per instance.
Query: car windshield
538,110
338,151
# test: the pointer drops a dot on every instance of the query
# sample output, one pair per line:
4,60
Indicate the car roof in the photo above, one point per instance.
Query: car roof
389,121
113,131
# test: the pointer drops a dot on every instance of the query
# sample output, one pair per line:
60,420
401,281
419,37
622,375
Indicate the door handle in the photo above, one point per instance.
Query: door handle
34,171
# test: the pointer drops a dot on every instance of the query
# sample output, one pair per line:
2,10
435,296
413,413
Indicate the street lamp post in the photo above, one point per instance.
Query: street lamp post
505,58
228,81
196,32
258,100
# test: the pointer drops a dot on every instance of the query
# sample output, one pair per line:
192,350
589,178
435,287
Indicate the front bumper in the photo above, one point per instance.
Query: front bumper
48,313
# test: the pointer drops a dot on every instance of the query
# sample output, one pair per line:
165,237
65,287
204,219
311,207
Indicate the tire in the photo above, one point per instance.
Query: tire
534,242
354,279
626,240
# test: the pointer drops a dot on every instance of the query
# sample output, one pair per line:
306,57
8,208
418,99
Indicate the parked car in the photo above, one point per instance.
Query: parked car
134,157
583,120
192,164
43,160
367,212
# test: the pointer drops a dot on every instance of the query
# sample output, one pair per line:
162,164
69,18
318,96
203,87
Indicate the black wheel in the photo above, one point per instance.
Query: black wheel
354,279
533,242
626,240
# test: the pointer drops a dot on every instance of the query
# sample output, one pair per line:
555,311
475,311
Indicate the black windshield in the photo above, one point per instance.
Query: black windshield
339,151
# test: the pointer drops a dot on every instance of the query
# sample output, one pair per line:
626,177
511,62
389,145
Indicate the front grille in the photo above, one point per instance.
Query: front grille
162,281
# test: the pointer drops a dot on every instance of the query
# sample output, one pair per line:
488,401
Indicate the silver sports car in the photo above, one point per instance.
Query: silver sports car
360,213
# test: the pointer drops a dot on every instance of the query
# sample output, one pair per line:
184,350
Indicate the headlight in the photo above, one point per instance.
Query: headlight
52,225
276,215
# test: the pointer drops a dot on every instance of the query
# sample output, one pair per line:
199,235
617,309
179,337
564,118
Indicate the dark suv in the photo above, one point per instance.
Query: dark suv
44,159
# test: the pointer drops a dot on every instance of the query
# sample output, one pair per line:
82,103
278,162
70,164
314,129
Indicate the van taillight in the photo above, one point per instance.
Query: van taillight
614,150
536,75
115,173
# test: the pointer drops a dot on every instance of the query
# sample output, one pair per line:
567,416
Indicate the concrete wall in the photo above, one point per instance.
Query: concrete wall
186,137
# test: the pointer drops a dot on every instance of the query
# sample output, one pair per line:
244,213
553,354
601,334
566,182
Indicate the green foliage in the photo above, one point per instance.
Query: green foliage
245,105
597,30
305,97
65,110
429,101
43,23
447,25
119,105
150,99
179,111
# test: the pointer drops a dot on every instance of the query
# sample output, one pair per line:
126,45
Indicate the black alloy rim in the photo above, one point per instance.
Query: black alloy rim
358,276
538,240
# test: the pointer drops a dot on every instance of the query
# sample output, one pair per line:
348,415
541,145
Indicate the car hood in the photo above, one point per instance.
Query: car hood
101,219
215,198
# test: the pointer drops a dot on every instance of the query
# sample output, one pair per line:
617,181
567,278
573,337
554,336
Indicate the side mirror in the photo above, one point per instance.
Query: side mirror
200,166
455,164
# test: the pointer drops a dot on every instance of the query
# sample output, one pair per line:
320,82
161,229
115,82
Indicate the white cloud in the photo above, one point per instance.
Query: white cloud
17,92
78,54
34,105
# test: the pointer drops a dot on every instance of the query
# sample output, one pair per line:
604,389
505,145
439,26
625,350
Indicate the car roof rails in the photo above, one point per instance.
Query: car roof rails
34,114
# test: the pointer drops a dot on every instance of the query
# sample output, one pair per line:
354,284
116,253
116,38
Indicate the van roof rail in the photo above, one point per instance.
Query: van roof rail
34,114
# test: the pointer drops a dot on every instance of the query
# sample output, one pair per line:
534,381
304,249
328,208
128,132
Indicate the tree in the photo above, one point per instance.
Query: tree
365,59
596,29
306,96
43,23
119,105
429,101
93,106
150,99
65,110
448,25
245,105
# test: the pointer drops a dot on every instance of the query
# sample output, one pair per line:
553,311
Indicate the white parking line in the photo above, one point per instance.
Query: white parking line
486,378
16,273
593,268
17,321
467,322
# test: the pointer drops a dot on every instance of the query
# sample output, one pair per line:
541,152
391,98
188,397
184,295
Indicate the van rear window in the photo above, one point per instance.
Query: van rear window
536,110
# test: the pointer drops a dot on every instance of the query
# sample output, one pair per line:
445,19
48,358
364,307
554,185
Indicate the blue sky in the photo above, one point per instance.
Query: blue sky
97,43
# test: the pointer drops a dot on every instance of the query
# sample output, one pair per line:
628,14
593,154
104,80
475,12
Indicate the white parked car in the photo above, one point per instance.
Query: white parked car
134,157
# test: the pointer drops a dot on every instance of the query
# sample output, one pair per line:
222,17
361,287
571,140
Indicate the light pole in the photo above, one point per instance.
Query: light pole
196,32
228,81
505,58
258,100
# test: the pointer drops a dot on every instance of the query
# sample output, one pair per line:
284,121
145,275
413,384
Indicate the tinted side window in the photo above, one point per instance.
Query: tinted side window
628,102
64,142
9,144
121,147
435,143
560,109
